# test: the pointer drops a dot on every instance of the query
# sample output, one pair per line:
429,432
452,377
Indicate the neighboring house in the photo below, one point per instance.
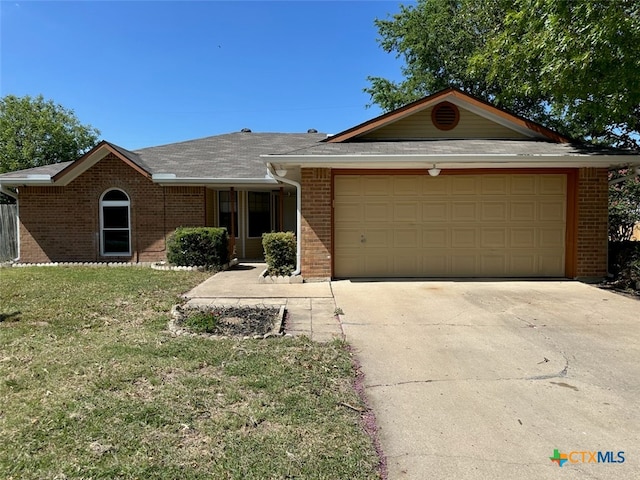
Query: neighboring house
448,186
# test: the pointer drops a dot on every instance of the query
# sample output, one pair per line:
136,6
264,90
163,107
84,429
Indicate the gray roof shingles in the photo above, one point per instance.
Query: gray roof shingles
237,155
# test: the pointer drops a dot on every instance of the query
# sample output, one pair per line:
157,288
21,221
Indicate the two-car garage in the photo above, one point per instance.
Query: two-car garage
410,224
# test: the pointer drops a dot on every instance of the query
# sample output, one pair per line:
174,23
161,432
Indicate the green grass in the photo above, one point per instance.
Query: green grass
93,387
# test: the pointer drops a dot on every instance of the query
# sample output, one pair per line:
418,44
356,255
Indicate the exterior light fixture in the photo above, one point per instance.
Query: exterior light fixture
434,172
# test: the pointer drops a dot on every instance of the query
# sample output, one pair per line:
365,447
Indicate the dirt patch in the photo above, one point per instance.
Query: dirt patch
255,321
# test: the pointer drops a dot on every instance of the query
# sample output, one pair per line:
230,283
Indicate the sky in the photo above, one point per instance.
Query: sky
149,73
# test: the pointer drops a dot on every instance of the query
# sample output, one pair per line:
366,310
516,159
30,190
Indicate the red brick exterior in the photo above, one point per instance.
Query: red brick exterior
62,224
592,234
316,223
59,224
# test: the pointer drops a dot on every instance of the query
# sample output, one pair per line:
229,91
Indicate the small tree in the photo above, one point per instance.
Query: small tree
624,206
36,132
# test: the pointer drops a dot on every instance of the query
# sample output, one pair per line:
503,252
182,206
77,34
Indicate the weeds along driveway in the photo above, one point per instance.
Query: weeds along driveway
486,379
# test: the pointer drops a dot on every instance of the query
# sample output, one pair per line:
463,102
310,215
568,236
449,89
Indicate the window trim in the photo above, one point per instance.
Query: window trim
114,203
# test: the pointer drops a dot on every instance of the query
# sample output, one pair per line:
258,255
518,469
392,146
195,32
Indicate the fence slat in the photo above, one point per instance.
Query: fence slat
8,232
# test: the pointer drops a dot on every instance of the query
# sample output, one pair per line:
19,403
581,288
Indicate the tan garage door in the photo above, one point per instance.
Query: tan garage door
450,225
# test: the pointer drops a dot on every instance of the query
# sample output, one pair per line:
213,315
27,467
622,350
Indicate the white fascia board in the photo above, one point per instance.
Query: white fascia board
167,179
28,180
456,160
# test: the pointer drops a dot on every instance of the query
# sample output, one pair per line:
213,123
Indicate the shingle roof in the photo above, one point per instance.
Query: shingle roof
453,147
232,155
51,169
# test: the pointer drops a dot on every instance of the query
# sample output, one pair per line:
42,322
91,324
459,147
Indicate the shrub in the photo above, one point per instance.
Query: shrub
624,263
279,252
198,246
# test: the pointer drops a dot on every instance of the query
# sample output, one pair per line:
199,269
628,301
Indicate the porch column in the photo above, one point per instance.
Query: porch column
232,197
281,209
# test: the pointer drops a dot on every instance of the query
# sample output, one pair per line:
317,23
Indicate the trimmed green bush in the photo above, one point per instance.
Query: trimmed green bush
198,246
279,252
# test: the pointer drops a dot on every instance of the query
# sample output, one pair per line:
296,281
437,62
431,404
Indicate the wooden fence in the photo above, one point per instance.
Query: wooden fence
8,232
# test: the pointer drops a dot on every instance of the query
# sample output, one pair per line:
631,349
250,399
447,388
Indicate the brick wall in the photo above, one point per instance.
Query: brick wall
62,224
316,223
591,241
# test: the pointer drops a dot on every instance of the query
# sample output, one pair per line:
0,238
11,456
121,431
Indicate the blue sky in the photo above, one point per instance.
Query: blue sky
153,72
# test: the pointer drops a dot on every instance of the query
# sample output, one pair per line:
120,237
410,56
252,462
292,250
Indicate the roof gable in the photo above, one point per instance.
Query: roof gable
93,156
475,119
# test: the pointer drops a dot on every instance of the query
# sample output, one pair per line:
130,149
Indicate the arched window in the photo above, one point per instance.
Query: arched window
115,225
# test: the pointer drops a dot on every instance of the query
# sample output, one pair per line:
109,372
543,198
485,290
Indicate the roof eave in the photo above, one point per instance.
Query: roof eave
456,160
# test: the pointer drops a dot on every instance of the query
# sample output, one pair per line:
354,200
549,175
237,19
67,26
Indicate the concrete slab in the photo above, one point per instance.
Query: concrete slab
241,281
306,304
485,379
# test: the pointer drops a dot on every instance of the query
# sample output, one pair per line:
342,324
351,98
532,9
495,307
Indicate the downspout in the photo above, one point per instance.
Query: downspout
272,172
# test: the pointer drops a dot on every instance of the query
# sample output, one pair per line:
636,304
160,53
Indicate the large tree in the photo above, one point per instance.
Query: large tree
36,132
570,64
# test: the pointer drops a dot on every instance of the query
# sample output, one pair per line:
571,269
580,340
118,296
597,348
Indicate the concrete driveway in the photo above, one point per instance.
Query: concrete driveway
485,379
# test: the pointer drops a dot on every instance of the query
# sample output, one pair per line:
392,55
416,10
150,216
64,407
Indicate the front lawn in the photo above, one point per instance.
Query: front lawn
93,387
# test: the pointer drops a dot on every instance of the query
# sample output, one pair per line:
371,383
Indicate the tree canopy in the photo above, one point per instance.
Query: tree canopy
571,64
36,132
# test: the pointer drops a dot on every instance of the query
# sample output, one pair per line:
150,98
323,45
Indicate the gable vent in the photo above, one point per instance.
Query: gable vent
445,116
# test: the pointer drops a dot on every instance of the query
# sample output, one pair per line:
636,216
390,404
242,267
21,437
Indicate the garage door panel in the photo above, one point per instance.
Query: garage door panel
522,264
406,266
551,185
462,185
549,264
463,237
493,237
450,226
494,211
348,185
435,212
377,212
348,237
523,185
435,186
550,238
494,185
522,237
464,265
376,238
435,237
405,238
348,212
404,185
551,211
523,211
464,211
493,264
406,211
376,265
376,185
435,265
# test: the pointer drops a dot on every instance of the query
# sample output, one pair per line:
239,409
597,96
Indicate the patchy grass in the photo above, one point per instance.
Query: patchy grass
91,386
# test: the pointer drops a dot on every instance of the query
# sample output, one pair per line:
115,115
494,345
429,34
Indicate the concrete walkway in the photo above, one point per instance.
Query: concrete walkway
310,307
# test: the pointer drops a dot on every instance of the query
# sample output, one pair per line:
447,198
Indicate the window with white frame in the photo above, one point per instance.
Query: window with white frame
115,223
